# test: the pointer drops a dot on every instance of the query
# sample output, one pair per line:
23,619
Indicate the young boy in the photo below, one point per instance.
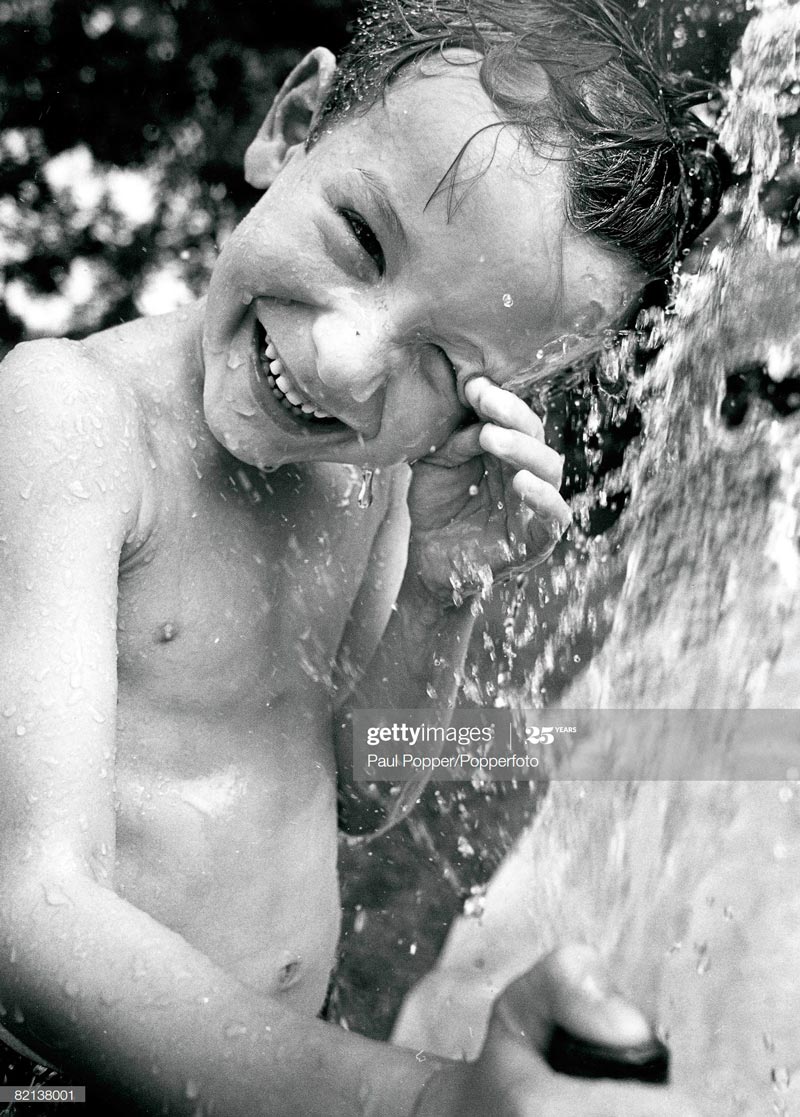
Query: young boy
190,586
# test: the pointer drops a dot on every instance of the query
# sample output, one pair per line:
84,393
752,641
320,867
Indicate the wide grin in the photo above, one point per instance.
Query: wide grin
283,387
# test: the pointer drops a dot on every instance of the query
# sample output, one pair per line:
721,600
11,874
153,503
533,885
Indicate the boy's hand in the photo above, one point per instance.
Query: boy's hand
485,505
511,1078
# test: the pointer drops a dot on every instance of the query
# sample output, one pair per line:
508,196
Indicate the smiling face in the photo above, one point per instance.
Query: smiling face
350,307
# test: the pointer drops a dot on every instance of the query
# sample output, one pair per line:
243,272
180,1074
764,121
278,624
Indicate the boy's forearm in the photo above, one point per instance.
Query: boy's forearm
421,654
152,1019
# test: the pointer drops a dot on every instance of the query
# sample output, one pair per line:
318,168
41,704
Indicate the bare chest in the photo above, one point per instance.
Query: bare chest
243,588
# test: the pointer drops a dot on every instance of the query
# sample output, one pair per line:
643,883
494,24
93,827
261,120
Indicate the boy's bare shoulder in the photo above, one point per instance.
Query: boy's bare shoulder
72,424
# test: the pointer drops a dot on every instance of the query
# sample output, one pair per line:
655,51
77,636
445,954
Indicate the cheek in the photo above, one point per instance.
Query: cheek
426,433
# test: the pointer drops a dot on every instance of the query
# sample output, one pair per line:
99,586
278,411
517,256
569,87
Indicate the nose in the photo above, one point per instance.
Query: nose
354,353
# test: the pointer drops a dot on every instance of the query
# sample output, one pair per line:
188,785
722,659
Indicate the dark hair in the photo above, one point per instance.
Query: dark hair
643,173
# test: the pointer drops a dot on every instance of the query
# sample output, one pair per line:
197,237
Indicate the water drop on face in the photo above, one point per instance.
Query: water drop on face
473,490
508,300
364,498
55,897
235,360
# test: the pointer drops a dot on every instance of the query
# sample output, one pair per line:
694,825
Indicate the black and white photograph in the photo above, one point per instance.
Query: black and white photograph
400,558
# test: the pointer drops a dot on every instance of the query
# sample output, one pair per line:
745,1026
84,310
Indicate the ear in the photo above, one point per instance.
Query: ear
290,118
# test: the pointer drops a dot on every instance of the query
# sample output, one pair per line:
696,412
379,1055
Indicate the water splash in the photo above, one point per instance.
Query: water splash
694,596
364,498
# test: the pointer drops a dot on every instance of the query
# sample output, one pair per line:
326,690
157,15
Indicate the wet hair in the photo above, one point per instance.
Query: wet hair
643,173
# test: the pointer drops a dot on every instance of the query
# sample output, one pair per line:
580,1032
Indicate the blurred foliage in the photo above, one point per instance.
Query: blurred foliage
122,130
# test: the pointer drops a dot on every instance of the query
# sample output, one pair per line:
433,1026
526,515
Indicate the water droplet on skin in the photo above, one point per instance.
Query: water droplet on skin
474,905
21,731
54,896
26,492
9,711
508,300
364,498
192,1090
235,360
703,964
78,489
781,1077
464,847
473,490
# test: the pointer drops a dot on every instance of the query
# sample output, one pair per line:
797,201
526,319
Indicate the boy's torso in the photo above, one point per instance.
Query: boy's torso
232,605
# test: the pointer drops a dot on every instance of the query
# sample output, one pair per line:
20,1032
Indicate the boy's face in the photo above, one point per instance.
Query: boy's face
349,308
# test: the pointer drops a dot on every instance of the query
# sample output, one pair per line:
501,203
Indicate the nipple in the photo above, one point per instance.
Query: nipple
364,498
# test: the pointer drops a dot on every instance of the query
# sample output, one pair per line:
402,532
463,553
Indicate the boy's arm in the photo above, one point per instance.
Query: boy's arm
482,507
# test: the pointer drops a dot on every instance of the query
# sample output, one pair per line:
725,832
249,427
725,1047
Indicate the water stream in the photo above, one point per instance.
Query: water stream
690,888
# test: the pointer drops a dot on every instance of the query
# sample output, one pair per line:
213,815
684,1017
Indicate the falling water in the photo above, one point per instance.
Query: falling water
689,889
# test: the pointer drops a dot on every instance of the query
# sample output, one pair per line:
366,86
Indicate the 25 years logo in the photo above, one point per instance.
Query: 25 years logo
545,734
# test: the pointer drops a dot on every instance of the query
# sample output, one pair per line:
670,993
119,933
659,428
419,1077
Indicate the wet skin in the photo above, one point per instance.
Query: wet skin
194,776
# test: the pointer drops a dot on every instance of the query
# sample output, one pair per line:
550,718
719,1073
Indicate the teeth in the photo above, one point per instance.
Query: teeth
287,389
284,390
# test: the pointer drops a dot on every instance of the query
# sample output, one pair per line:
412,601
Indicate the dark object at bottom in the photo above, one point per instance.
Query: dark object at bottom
644,1062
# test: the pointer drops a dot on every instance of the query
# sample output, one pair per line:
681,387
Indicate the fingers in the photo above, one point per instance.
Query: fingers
495,405
522,451
549,507
580,997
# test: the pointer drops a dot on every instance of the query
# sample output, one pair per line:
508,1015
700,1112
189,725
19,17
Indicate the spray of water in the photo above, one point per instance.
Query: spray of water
690,888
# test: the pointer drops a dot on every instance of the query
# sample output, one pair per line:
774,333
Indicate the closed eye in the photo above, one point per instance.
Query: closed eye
362,233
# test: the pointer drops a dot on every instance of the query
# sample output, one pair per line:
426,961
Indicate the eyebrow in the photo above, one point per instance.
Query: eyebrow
379,194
